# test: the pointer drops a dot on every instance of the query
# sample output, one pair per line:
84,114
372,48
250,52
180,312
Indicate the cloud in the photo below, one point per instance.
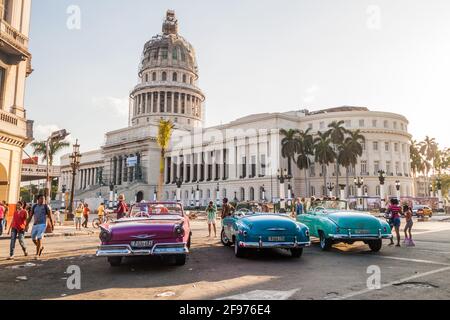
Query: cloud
310,95
118,106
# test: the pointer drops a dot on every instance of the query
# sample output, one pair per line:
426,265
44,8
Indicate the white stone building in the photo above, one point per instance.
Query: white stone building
240,158
15,66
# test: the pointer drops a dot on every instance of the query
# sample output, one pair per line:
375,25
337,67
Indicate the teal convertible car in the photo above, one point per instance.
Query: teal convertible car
249,228
332,222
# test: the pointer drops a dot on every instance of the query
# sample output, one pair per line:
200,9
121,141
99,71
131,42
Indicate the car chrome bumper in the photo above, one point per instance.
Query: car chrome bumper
274,245
360,237
127,251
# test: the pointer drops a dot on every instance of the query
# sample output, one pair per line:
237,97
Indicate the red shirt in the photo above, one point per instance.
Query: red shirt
86,212
19,220
395,211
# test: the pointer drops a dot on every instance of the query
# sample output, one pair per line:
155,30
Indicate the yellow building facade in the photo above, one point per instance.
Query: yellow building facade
15,66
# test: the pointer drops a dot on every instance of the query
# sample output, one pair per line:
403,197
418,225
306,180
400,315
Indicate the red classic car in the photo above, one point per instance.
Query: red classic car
152,229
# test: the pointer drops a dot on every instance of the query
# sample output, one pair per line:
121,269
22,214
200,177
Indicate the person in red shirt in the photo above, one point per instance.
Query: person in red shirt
17,229
86,213
122,208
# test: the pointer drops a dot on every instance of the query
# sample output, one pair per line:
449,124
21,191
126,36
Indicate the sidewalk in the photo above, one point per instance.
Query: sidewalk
66,230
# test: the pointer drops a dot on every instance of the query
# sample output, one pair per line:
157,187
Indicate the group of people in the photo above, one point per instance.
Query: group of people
41,215
393,215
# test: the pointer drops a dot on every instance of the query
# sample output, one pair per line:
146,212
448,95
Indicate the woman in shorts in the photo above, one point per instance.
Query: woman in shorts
78,215
211,212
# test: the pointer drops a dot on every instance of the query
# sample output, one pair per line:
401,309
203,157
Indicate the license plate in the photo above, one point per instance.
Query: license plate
362,231
277,239
142,244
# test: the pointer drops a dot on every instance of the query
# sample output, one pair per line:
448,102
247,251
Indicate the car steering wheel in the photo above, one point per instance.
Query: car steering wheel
317,209
141,215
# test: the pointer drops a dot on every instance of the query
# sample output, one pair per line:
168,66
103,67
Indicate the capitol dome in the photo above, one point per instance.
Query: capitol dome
168,76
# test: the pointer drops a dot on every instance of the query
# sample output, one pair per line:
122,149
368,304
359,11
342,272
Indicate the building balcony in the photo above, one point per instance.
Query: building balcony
14,125
13,42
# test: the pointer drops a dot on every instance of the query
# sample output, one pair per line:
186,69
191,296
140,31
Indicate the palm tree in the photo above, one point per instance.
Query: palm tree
428,149
337,134
324,153
305,151
289,146
347,158
417,163
165,129
40,149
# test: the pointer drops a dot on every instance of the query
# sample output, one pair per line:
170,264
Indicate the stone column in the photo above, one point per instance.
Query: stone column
125,175
158,101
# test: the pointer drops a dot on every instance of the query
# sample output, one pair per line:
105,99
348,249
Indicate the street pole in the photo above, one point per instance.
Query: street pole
342,191
218,195
179,183
263,194
282,176
197,197
359,182
155,194
441,200
48,184
75,162
397,186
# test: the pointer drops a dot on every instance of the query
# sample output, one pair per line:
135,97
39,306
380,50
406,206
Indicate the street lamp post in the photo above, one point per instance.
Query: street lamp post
197,196
192,197
431,190
282,176
289,196
179,183
218,195
111,195
330,187
397,187
342,191
155,194
263,194
382,179
439,190
74,164
359,182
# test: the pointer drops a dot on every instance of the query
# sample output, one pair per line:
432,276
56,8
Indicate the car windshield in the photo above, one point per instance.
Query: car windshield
248,208
330,204
155,208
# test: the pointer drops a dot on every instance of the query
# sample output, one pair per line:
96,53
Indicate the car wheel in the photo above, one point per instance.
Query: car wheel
224,239
189,242
375,245
325,244
115,261
296,253
96,223
180,260
238,251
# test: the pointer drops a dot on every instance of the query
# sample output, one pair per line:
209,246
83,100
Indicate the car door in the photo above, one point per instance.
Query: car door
309,219
228,223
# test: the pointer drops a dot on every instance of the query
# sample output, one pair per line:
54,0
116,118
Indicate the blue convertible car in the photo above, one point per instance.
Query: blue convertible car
249,228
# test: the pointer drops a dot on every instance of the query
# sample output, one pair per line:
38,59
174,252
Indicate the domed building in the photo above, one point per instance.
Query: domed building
238,160
168,76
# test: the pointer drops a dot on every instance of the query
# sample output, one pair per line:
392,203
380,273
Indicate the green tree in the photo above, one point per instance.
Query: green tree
337,134
289,146
324,154
165,129
428,149
40,149
305,151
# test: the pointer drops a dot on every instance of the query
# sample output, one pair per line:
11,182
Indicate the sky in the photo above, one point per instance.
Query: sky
254,56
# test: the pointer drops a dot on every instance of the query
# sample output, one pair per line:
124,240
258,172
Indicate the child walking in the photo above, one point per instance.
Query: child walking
409,224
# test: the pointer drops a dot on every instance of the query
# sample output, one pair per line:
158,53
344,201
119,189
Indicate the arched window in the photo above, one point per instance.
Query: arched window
183,55
184,78
174,77
242,194
154,76
252,194
208,194
146,77
164,76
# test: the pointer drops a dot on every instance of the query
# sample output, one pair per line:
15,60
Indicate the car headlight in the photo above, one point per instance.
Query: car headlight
105,236
243,232
179,230
307,232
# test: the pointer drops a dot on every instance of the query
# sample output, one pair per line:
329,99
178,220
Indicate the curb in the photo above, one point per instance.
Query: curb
55,235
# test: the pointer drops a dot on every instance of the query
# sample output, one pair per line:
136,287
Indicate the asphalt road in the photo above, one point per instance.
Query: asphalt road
212,271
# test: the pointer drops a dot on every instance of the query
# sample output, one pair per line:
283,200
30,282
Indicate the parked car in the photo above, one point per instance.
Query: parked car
332,222
250,229
152,229
421,211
